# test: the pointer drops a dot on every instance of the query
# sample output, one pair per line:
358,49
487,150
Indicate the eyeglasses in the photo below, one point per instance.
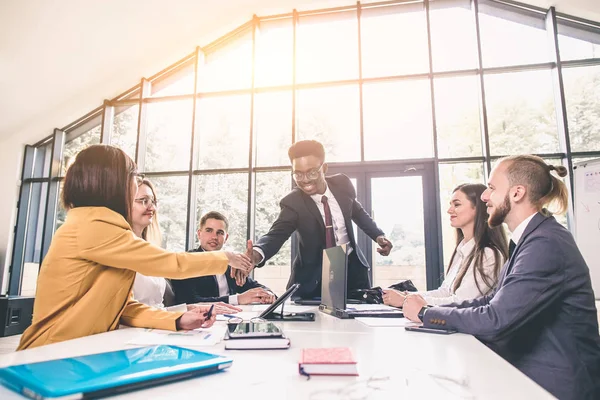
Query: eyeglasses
238,320
145,201
139,178
312,174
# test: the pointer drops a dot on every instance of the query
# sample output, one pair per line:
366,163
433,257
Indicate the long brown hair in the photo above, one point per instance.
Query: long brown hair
485,237
151,233
101,176
543,188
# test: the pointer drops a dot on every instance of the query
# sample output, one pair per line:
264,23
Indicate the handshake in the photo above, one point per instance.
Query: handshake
242,263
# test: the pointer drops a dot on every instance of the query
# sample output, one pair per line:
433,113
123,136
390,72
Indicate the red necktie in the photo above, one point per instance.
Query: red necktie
329,235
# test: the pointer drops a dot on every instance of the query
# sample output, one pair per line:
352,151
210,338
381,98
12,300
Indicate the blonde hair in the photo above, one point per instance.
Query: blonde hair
151,233
544,190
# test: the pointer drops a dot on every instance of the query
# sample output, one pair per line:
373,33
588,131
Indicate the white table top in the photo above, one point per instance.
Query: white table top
392,362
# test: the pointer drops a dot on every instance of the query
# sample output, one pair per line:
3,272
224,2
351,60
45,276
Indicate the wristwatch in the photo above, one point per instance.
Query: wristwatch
421,314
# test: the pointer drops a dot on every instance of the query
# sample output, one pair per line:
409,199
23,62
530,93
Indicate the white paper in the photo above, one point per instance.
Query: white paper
375,322
288,308
199,337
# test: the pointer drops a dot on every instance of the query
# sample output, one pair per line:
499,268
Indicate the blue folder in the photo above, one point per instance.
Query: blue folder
107,374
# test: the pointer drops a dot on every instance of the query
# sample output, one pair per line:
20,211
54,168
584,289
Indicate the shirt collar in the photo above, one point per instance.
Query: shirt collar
465,248
519,230
317,197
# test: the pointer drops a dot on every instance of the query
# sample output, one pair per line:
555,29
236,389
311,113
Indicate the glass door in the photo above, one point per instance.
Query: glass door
401,198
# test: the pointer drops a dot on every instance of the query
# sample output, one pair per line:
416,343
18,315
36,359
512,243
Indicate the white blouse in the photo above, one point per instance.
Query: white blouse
150,290
468,288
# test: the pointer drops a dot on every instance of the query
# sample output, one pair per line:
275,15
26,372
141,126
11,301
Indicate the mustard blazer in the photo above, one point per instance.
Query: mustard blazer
85,281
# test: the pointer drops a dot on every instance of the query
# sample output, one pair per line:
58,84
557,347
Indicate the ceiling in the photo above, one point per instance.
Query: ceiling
61,59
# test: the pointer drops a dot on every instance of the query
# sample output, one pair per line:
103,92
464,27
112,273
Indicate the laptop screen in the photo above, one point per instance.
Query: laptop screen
334,278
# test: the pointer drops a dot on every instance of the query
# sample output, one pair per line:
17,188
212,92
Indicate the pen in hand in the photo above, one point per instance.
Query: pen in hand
208,314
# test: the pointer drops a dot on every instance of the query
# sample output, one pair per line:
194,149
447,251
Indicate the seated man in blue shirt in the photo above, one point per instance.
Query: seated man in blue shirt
212,235
541,317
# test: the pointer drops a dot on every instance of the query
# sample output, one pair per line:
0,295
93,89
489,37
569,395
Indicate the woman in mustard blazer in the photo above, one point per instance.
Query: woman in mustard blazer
85,281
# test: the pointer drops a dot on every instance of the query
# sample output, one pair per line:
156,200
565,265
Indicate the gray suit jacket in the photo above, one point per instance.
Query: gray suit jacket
542,316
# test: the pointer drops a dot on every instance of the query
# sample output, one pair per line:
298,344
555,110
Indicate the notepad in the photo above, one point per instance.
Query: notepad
327,361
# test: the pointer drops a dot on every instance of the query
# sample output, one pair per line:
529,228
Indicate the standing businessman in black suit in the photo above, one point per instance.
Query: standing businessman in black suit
320,210
542,316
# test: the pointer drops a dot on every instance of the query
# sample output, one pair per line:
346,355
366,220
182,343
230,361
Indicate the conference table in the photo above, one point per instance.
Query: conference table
392,363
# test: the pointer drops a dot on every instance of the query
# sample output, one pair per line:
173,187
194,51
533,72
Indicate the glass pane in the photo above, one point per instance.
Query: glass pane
453,40
75,145
394,41
331,115
397,120
398,210
271,187
327,48
169,127
583,159
172,193
274,53
223,131
452,175
178,82
457,116
273,128
521,114
124,129
42,161
228,68
33,239
61,212
582,95
210,196
575,44
509,38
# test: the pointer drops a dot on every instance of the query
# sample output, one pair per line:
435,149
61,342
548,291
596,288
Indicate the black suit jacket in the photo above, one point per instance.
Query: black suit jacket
542,316
205,289
300,214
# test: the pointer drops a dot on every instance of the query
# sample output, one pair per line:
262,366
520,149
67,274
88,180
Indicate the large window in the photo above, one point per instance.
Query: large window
380,84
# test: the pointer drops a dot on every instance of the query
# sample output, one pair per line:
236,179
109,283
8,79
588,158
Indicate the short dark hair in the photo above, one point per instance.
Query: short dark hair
214,215
305,148
101,176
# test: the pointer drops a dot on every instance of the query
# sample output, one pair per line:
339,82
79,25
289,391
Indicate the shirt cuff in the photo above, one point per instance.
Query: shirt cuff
233,300
177,308
259,251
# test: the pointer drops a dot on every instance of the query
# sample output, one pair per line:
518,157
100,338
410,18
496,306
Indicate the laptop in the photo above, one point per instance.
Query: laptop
270,315
334,289
107,374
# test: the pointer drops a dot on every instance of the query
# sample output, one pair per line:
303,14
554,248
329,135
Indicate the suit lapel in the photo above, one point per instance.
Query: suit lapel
312,207
532,226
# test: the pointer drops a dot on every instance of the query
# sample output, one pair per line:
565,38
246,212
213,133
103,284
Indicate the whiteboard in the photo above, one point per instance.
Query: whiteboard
587,216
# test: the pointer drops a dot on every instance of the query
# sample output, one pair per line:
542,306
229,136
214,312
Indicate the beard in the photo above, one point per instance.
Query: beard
498,216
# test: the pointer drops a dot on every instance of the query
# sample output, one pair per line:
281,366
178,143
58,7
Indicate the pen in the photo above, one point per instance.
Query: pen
208,314
230,316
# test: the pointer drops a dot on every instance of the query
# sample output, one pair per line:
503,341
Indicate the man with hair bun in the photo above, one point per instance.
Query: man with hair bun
542,316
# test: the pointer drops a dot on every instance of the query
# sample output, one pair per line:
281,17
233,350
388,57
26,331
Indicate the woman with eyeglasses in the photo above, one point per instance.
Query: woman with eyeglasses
85,280
479,254
153,290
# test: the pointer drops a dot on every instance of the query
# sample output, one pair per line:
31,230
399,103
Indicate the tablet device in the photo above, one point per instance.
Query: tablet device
254,330
430,330
107,374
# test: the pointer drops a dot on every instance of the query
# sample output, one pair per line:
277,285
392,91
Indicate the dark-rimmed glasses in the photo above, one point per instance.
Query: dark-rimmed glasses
312,174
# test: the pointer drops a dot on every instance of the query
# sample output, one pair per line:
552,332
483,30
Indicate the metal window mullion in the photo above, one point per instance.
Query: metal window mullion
53,191
108,115
252,144
360,83
140,148
559,96
15,270
483,119
295,22
192,202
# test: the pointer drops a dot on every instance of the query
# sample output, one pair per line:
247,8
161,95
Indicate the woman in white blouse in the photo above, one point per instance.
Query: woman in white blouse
151,290
479,254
